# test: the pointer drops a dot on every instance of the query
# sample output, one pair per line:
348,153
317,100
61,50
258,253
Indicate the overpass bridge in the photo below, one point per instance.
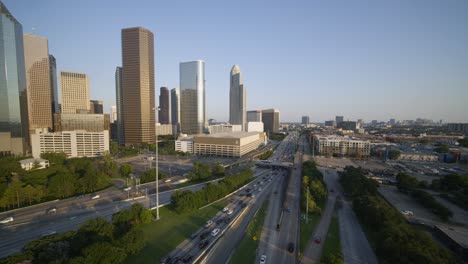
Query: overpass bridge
274,164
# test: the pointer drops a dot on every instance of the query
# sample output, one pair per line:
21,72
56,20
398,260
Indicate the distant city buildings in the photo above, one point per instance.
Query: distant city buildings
331,145
164,113
175,109
138,86
192,97
113,114
237,99
330,123
14,137
223,128
75,92
255,127
458,127
270,119
254,116
339,119
305,120
96,107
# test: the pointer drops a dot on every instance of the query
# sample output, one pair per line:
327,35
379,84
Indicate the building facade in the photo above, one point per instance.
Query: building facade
305,120
234,144
38,87
254,116
14,132
164,106
339,119
270,119
164,129
72,143
87,122
113,114
341,146
223,128
138,86
53,84
184,144
237,99
75,92
119,101
192,97
175,109
96,107
255,127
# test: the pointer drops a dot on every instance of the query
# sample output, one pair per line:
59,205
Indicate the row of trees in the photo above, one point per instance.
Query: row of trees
312,182
455,188
188,201
64,178
395,241
409,184
150,176
96,241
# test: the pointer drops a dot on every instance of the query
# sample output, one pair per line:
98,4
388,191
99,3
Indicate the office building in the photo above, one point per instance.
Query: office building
96,107
255,127
36,60
72,143
138,86
305,120
14,132
233,144
223,128
270,119
75,92
164,129
87,122
339,119
458,127
237,99
392,121
53,84
175,109
349,125
184,144
164,113
330,123
254,116
192,97
113,114
331,145
119,101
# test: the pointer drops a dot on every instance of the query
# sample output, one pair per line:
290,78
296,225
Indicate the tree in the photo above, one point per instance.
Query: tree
55,158
463,142
32,194
218,170
108,165
62,184
394,154
125,170
104,253
406,182
442,149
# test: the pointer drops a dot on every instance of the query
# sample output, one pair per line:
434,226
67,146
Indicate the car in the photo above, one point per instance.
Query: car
255,185
291,247
215,232
219,221
227,219
208,223
127,189
97,196
204,234
230,212
166,259
168,180
225,209
243,205
52,210
49,233
187,258
288,209
253,196
407,213
7,220
263,259
203,244
317,239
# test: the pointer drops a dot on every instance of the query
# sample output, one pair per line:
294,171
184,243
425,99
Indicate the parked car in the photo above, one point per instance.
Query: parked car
291,247
7,220
219,221
263,259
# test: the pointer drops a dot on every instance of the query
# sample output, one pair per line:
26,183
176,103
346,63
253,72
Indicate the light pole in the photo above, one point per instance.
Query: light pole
157,175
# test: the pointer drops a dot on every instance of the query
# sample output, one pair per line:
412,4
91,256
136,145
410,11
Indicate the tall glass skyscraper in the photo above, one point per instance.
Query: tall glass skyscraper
237,99
175,109
14,137
192,97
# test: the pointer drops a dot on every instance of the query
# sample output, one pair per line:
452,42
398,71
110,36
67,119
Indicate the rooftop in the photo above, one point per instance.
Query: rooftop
457,234
229,135
27,161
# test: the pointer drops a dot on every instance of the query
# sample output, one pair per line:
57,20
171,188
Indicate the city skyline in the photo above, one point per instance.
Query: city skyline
406,68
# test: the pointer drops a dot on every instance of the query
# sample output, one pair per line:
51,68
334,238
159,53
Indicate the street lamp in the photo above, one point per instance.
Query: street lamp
157,175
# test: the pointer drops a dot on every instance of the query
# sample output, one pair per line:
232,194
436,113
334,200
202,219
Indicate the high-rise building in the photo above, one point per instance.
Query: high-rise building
254,116
53,84
36,61
75,92
164,117
119,100
237,99
14,137
113,114
270,119
339,119
305,120
88,122
175,109
96,107
192,97
138,85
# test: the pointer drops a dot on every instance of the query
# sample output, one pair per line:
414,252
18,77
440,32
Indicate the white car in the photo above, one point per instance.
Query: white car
97,196
215,232
127,189
263,259
168,180
7,220
49,233
225,209
230,212
253,195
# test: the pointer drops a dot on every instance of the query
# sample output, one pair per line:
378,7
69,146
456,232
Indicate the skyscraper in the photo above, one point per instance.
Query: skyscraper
270,120
254,116
305,120
164,106
14,138
339,119
96,107
119,101
175,108
75,92
138,85
237,99
192,97
36,60
113,114
53,84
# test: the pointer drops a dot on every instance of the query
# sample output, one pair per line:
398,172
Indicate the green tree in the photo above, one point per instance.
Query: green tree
55,158
104,253
318,191
125,170
406,182
394,154
33,194
109,167
62,184
218,170
442,149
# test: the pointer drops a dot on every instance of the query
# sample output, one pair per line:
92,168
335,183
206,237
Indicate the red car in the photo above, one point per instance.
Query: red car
317,239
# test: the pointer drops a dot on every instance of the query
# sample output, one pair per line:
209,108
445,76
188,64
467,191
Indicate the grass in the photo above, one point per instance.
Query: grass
307,230
247,248
165,235
332,244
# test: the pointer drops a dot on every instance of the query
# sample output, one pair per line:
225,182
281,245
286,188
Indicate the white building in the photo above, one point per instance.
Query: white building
184,144
28,164
77,143
254,126
233,144
113,114
164,129
332,145
223,128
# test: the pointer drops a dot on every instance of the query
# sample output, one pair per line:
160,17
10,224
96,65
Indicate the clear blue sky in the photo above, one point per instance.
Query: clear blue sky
361,59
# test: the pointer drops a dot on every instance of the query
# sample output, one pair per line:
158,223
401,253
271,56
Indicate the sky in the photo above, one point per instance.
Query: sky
370,59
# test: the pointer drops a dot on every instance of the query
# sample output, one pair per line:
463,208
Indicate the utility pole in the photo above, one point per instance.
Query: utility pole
157,177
